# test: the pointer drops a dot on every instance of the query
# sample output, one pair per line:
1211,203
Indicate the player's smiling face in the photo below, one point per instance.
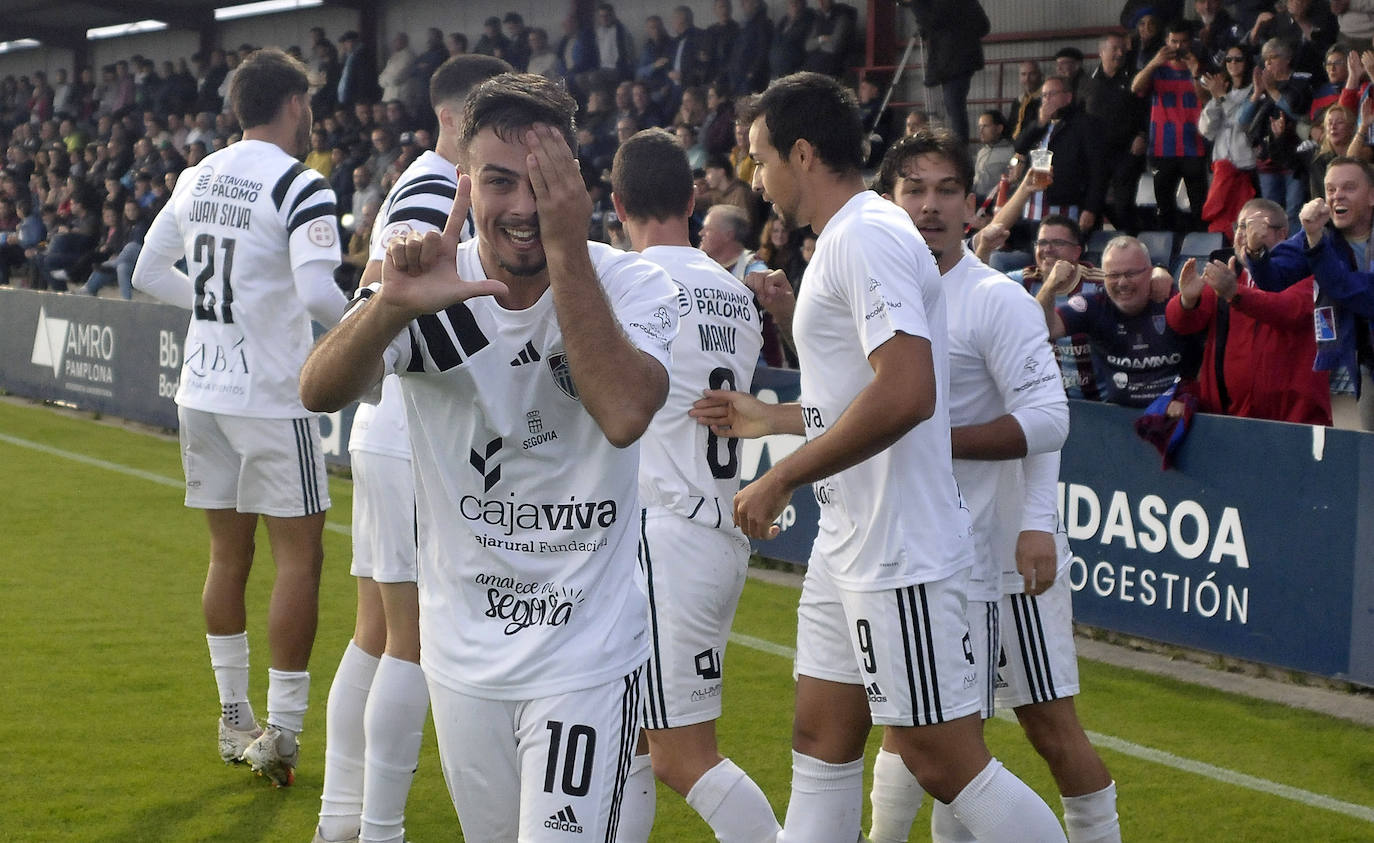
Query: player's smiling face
503,206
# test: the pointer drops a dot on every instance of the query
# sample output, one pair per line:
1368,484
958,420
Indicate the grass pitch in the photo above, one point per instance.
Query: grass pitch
108,707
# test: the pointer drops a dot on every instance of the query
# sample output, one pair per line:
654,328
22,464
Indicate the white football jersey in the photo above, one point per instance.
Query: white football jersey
896,518
247,219
527,514
683,466
1000,362
419,201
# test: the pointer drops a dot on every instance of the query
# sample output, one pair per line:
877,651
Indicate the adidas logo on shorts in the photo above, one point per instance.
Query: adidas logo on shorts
875,694
564,820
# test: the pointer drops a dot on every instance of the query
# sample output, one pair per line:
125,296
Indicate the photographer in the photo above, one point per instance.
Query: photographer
1177,149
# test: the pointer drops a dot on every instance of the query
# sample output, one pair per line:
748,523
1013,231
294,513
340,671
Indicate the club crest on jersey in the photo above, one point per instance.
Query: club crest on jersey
562,375
203,181
1159,324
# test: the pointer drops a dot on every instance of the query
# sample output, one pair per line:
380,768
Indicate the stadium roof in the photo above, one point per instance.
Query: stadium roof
64,23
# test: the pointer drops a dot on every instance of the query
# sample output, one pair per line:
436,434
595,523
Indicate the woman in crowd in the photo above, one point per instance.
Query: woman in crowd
1234,180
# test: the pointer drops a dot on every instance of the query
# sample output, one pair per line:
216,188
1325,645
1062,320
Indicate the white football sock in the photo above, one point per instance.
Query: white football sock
733,805
827,801
341,801
395,725
1092,818
946,828
288,696
896,799
997,807
638,805
229,660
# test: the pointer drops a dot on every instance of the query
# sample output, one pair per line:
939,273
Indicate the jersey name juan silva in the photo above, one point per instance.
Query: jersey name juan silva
526,512
684,467
248,218
896,518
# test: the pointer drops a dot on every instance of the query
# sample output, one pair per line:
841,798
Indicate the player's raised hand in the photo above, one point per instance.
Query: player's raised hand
420,272
1037,559
560,195
730,413
1190,284
1314,216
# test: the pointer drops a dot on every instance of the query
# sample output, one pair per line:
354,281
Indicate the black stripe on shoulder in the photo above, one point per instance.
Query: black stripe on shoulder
306,192
426,188
284,183
465,327
417,362
314,212
440,344
436,218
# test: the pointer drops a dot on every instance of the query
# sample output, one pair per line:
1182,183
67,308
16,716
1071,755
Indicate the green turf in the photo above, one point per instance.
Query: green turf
108,706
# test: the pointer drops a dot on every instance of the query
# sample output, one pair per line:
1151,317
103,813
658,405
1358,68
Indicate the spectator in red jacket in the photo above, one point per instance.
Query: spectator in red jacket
1257,362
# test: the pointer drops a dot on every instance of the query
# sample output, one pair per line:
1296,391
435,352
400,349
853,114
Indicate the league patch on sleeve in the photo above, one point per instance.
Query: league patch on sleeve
322,233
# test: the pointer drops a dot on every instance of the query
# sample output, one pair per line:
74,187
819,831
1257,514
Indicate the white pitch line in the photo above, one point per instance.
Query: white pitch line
1135,750
126,470
1145,753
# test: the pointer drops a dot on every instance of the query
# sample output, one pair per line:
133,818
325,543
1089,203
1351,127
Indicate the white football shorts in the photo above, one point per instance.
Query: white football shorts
266,466
693,575
383,518
909,646
547,770
1039,659
984,628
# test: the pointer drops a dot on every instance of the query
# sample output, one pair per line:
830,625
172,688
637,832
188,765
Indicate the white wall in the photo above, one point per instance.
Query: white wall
287,28
25,62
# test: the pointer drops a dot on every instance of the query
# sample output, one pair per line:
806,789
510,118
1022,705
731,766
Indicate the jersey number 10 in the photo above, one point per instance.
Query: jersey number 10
209,305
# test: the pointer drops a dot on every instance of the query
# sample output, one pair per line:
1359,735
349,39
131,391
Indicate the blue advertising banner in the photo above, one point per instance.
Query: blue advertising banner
1258,545
108,356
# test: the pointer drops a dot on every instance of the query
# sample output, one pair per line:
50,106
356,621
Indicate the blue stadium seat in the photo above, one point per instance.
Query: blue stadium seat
1161,246
1008,261
1200,244
1097,241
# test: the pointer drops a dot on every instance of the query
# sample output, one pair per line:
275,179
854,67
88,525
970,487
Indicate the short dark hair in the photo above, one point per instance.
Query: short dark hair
938,141
263,82
651,176
508,103
997,116
457,76
1180,25
1064,222
815,108
1364,166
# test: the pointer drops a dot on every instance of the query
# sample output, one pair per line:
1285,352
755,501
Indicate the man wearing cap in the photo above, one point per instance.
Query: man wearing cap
1068,62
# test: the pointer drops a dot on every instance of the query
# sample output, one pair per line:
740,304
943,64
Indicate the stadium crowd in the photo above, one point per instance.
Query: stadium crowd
1229,103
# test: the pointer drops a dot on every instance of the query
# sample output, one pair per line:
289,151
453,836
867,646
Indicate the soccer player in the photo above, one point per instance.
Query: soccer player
378,702
692,556
531,362
882,635
1009,418
258,232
